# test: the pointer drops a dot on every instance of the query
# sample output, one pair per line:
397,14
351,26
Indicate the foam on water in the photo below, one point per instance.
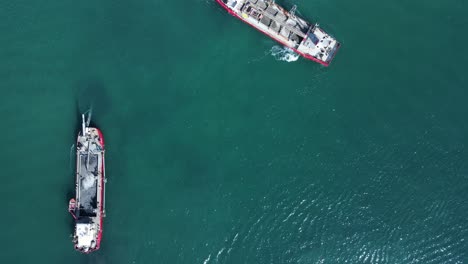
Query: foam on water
369,224
284,54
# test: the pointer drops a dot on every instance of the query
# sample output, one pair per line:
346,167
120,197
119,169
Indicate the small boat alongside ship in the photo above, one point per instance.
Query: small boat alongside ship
88,206
306,39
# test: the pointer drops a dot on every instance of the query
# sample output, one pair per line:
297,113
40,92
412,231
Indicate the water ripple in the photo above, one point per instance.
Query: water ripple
307,223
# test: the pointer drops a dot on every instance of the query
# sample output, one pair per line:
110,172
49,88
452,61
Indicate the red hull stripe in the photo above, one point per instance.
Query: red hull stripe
101,139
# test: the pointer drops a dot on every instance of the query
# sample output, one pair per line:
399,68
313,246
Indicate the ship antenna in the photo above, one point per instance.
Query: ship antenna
87,156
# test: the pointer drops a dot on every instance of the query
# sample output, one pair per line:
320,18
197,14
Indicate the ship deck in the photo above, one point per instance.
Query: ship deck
273,19
89,188
87,175
285,27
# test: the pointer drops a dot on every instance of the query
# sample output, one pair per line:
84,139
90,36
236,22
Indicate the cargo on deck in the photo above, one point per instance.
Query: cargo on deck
308,40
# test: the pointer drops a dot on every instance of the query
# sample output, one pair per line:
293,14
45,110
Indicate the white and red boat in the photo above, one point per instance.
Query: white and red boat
306,39
88,207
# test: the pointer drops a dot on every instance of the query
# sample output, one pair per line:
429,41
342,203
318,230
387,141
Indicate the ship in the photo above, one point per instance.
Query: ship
307,39
88,205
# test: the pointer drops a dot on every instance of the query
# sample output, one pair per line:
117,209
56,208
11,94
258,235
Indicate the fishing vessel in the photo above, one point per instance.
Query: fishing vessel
88,206
306,39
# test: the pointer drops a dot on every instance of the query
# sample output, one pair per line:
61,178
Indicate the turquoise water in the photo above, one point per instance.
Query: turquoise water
218,152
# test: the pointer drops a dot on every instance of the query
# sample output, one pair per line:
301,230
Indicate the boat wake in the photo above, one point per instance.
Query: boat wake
281,53
88,112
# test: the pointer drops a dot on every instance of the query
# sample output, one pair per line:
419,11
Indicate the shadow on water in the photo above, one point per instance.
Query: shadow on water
69,188
91,93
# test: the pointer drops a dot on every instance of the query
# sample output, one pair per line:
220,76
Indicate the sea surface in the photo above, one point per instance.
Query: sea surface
223,147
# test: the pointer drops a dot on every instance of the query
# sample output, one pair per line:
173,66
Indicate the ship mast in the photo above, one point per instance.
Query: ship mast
83,124
87,157
85,128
